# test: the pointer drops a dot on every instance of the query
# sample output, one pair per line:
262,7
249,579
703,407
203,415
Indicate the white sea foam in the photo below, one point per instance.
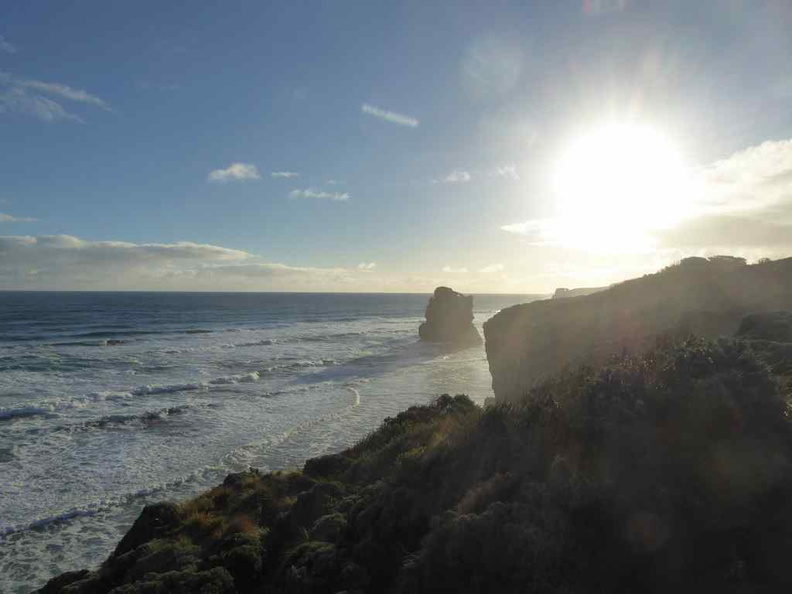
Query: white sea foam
96,433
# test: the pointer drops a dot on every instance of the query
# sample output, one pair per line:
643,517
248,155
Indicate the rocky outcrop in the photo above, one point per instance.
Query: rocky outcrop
449,319
527,343
562,293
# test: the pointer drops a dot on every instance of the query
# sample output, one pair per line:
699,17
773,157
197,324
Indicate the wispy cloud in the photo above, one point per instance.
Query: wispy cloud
107,252
334,182
235,172
7,46
311,193
284,174
507,171
599,7
35,98
145,84
64,91
390,116
492,268
528,227
452,270
457,176
367,266
7,218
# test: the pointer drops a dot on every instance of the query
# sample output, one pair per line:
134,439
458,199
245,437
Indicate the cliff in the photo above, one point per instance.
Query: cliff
669,473
527,343
449,319
563,293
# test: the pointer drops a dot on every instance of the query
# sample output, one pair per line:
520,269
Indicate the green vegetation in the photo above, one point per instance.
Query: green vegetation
666,472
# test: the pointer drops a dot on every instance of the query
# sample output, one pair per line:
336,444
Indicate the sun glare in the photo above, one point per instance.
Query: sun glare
616,185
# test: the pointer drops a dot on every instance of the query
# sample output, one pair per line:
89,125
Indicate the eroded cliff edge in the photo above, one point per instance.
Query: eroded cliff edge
528,343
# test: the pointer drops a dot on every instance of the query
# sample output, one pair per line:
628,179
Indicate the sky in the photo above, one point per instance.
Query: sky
496,147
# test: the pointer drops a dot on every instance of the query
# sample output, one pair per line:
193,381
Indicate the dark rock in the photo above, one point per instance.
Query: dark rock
245,564
330,466
167,559
57,584
214,581
152,522
234,480
449,319
775,326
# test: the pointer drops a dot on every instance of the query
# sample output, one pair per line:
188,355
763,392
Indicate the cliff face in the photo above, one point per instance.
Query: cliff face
449,319
527,343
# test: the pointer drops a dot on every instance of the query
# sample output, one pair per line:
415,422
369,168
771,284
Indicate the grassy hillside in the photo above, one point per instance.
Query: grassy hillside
528,343
667,472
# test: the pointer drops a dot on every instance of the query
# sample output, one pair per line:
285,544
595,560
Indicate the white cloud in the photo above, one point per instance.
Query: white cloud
7,46
67,262
531,227
235,172
284,174
334,182
33,97
507,171
64,261
389,116
748,181
492,268
367,266
311,193
741,202
451,270
7,218
457,177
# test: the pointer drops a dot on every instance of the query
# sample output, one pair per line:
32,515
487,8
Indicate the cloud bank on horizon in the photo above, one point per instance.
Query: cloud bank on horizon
65,262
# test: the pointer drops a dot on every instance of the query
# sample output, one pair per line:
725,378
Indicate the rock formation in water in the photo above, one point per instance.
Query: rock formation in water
708,297
449,319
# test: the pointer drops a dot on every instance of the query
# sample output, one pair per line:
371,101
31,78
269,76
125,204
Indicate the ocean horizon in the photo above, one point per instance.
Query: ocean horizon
113,400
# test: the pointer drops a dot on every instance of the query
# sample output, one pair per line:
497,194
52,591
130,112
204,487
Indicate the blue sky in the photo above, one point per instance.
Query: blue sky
421,134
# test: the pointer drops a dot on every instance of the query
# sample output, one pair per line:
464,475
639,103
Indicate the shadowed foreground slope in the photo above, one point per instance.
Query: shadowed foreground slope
668,472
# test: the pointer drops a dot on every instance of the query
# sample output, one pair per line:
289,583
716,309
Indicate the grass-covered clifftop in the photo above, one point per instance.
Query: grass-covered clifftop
528,343
667,472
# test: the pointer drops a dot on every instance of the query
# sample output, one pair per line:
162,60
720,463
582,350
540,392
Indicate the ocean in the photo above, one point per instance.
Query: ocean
110,401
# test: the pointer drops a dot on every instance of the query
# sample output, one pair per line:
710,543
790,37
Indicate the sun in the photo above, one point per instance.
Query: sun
617,184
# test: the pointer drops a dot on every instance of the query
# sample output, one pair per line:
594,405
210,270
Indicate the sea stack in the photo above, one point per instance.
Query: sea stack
449,319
